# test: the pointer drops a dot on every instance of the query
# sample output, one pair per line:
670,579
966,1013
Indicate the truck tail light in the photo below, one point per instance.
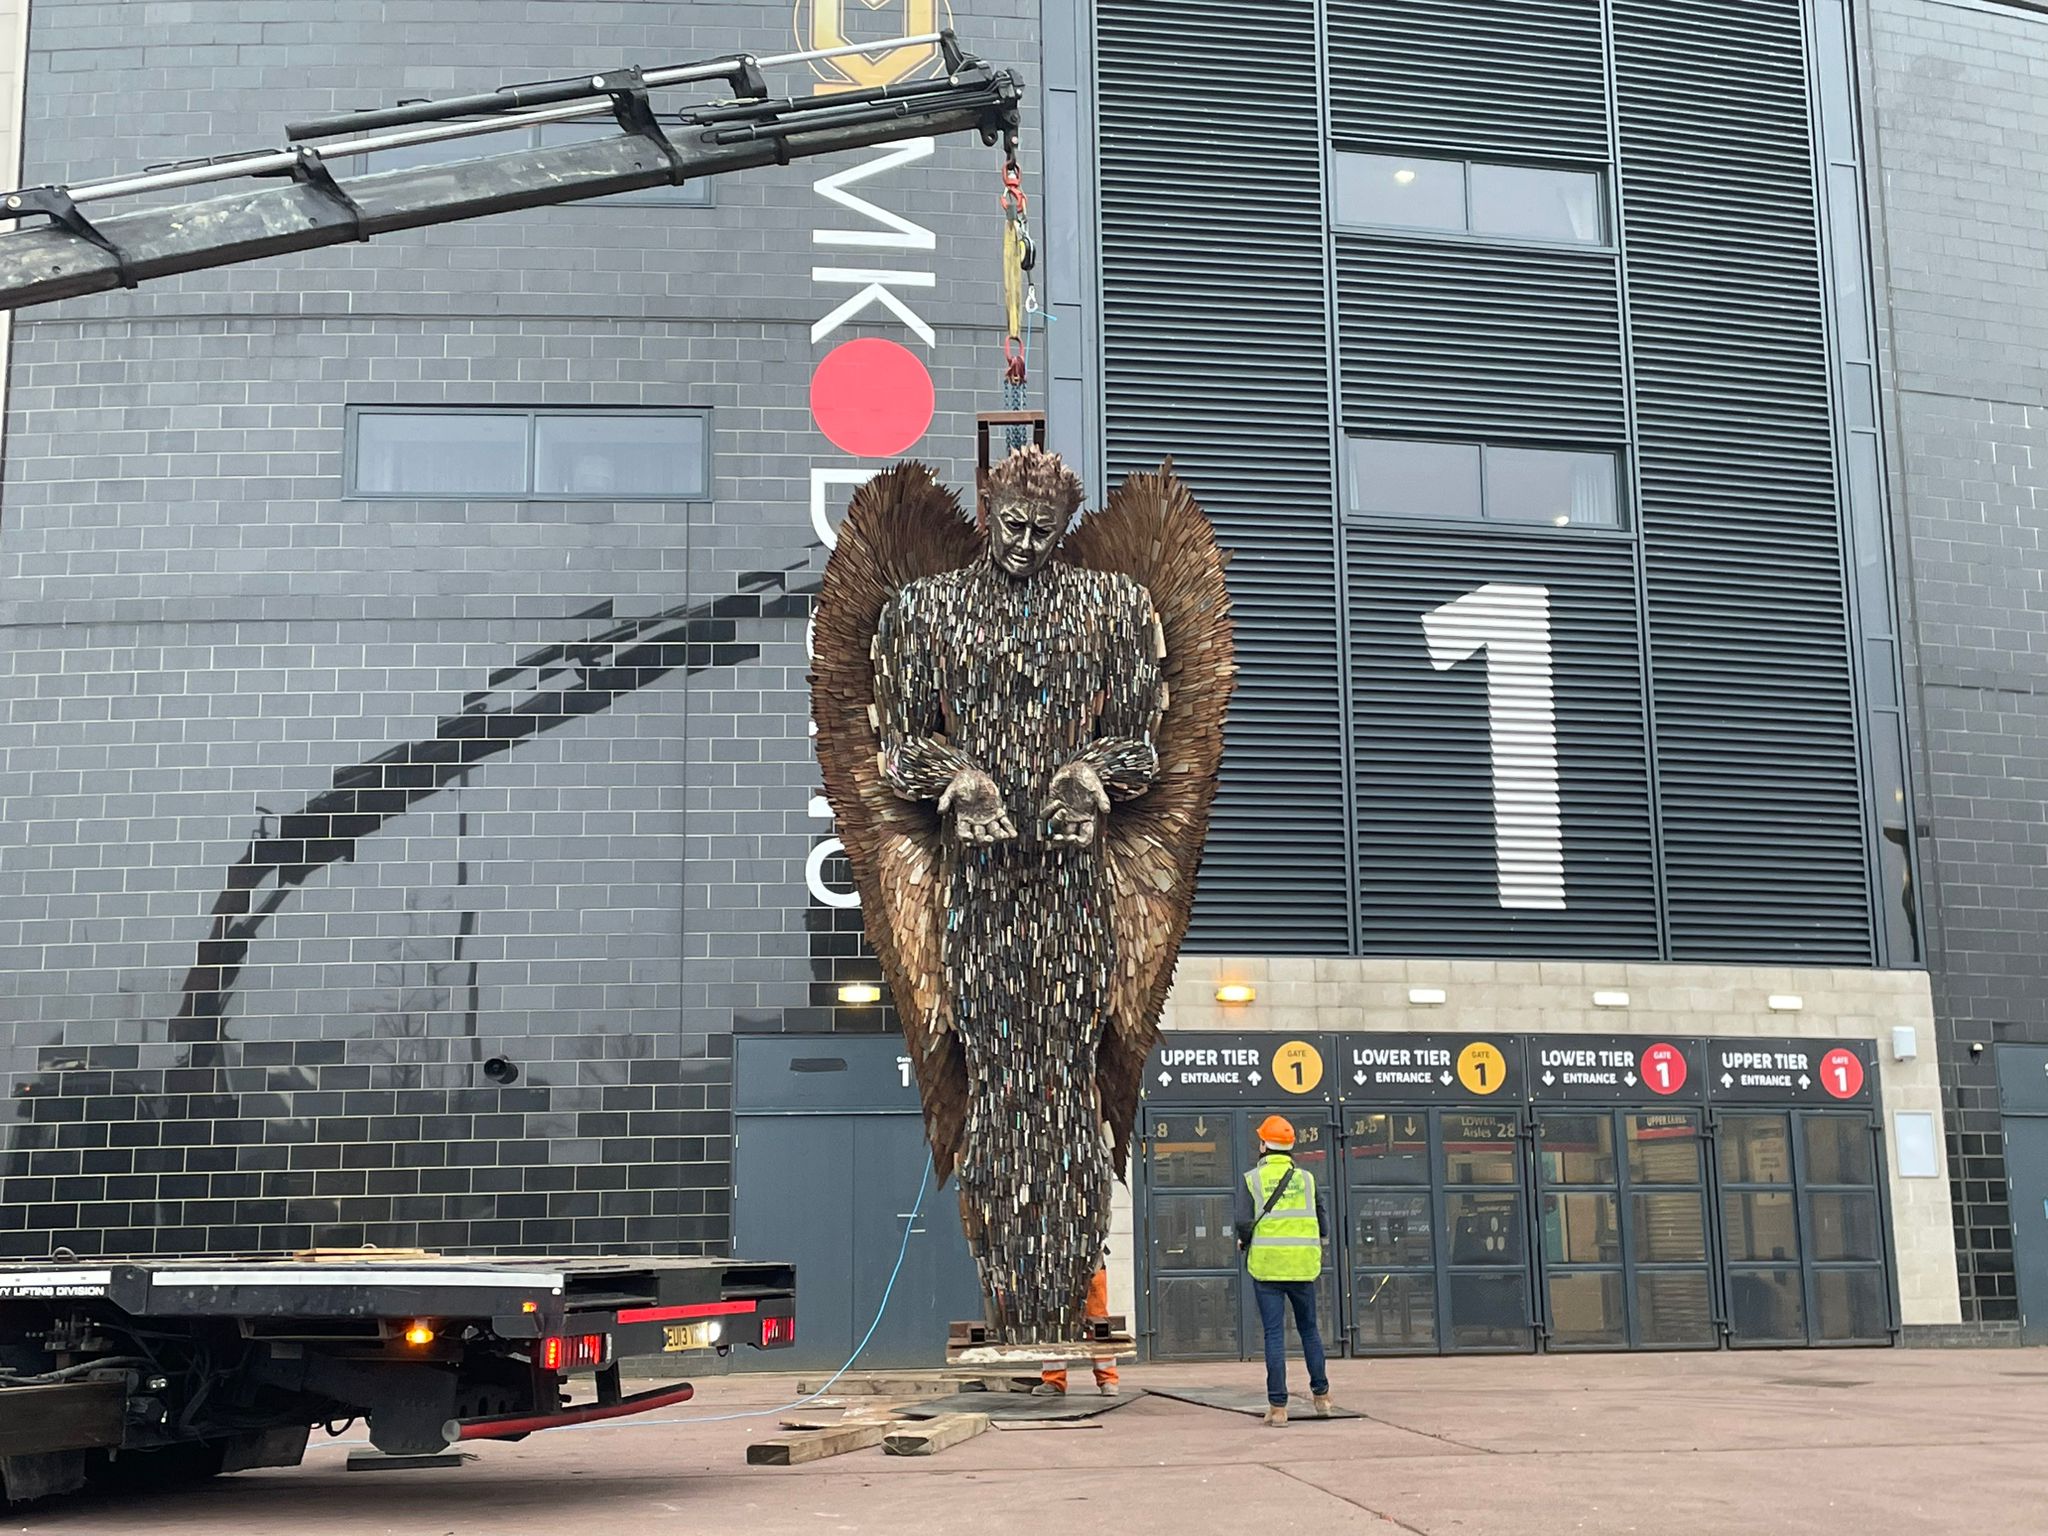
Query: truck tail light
777,1332
566,1352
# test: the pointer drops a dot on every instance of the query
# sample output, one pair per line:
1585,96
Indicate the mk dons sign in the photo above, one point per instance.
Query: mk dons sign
844,23
871,397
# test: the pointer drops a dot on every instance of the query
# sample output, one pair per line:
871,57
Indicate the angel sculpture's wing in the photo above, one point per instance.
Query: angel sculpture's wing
1152,529
902,525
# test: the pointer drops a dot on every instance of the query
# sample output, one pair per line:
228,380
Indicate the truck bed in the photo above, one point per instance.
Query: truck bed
543,1290
225,1362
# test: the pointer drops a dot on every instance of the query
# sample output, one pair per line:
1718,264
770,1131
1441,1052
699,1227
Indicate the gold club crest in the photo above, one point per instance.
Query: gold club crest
837,23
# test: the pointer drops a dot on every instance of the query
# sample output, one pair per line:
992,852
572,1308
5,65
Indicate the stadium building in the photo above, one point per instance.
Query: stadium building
1627,418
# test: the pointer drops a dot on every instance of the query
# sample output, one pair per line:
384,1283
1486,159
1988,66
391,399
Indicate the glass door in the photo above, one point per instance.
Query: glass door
1624,1229
1848,1301
1437,1231
1802,1228
1483,1222
1390,1228
1761,1252
1193,1268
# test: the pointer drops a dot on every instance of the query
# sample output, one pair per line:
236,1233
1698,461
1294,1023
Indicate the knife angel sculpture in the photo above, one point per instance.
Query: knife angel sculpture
1020,729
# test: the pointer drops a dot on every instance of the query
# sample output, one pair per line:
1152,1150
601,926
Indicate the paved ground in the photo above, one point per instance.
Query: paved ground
1811,1444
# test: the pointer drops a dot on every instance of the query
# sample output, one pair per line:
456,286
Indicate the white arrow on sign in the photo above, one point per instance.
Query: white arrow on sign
1805,1081
1727,1081
1549,1078
1630,1079
1202,1125
1358,1078
1256,1079
1447,1079
1165,1078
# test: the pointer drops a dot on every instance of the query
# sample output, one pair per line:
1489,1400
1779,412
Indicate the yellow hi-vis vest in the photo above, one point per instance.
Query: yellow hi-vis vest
1286,1243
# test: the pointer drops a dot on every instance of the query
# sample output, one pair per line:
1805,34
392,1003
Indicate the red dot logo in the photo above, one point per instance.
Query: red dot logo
1664,1068
872,397
1841,1074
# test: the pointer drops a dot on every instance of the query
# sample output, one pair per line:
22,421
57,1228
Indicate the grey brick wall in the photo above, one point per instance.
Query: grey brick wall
1961,141
263,917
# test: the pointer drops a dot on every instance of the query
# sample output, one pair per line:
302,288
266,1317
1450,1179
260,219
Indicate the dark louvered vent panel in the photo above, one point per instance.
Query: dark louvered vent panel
1432,875
1465,340
1516,77
1215,351
1750,680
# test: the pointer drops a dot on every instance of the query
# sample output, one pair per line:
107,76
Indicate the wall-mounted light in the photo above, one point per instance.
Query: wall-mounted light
1786,1002
1905,1043
860,992
1235,993
1426,997
1403,176
1610,999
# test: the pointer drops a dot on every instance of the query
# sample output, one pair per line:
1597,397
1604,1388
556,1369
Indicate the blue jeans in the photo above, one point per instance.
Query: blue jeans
1275,1296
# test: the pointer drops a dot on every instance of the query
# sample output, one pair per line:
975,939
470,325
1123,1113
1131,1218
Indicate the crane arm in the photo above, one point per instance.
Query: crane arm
83,245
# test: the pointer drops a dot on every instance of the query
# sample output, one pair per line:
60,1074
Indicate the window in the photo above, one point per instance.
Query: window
691,194
1513,202
1485,482
525,455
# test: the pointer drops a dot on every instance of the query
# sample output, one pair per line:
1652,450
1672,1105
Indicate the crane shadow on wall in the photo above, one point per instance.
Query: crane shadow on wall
207,1091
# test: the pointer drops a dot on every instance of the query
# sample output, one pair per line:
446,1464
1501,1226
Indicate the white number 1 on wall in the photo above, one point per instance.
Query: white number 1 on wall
1512,625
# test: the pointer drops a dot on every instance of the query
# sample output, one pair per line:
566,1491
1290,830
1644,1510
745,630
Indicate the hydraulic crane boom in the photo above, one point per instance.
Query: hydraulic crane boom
80,249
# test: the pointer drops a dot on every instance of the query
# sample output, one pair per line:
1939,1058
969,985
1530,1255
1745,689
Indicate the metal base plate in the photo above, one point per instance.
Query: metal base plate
1079,1402
1252,1401
377,1461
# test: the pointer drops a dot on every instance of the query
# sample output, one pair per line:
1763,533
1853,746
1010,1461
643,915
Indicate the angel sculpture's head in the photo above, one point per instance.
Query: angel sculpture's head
1032,497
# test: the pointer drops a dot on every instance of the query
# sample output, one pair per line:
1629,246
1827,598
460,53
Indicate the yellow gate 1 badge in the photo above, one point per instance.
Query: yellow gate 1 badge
1297,1067
1482,1068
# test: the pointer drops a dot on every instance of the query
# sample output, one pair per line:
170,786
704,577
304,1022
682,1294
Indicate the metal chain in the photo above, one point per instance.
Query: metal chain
1020,294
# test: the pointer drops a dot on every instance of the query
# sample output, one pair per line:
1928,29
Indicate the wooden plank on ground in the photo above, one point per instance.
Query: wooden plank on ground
931,1436
793,1450
934,1385
866,1411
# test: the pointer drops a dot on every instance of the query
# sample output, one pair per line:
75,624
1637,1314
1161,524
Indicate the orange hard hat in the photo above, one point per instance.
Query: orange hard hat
1276,1131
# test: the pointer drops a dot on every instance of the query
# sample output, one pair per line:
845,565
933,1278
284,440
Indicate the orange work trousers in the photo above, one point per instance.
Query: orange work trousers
1054,1372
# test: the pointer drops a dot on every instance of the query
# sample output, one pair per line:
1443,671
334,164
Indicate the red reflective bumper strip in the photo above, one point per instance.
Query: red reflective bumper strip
457,1430
695,1309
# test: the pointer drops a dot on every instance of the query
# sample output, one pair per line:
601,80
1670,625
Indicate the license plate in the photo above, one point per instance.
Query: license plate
677,1337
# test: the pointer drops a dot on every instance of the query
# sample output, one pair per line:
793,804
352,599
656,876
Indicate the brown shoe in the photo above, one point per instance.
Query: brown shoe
1276,1417
1324,1407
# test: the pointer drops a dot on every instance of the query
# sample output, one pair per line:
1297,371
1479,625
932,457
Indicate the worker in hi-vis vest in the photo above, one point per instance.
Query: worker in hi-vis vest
1279,1222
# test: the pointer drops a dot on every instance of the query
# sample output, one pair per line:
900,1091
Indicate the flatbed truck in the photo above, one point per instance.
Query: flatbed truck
126,1370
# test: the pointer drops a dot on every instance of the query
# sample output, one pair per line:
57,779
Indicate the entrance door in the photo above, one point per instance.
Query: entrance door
2026,1172
1802,1228
1439,1232
832,1194
2023,1095
1199,1305
1623,1212
1194,1311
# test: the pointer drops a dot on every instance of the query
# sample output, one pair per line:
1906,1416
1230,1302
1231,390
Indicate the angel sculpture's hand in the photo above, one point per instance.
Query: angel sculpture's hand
1074,802
976,804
